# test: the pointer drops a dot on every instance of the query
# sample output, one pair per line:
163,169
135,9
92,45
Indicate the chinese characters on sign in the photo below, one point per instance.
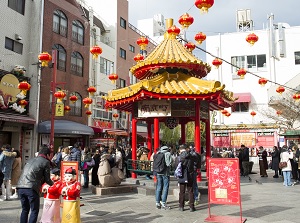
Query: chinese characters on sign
154,108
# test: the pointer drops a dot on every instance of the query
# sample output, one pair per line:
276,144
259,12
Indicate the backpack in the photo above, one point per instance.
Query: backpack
178,171
159,163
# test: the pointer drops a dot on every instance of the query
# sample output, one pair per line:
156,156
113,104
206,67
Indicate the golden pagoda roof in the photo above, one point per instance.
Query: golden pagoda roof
172,56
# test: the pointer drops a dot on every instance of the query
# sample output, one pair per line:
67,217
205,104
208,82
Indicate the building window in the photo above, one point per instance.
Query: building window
61,57
13,45
17,5
241,107
122,22
297,57
122,83
77,32
238,61
250,62
77,64
76,108
103,114
106,66
131,48
60,23
123,53
256,61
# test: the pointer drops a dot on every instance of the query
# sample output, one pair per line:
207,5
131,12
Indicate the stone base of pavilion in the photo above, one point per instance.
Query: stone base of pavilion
121,189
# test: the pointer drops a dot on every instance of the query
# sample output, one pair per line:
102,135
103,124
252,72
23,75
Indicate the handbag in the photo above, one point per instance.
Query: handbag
282,165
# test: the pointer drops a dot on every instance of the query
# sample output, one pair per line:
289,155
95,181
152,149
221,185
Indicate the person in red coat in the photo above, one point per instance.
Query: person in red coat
51,209
70,191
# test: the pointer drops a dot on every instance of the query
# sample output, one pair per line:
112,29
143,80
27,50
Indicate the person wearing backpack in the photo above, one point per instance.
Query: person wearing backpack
162,162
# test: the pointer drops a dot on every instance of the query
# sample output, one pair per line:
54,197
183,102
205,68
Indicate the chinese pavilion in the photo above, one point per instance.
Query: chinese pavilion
170,90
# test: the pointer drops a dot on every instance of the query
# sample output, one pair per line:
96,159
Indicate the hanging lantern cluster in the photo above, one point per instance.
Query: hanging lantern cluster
173,31
113,77
24,86
217,62
96,51
200,37
44,58
87,101
92,90
241,73
204,5
23,103
253,113
278,113
88,113
142,42
139,57
186,20
262,81
280,89
60,95
67,108
115,115
73,98
252,38
296,96
190,46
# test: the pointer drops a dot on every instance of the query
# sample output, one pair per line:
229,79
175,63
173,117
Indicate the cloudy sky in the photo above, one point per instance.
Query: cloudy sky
221,17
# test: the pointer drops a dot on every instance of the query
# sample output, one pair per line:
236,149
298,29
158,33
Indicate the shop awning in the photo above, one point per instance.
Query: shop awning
16,118
242,97
65,127
118,132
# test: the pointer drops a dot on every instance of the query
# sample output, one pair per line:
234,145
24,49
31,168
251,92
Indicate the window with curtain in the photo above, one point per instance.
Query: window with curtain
60,23
77,32
61,57
76,107
17,5
77,64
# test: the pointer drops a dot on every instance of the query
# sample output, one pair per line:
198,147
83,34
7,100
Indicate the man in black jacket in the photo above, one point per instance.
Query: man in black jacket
35,173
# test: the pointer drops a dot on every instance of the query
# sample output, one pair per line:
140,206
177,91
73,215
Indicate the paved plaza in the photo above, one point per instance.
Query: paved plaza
263,200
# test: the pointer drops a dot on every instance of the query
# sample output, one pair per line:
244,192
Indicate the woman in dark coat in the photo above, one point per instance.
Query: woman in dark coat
95,179
263,163
275,160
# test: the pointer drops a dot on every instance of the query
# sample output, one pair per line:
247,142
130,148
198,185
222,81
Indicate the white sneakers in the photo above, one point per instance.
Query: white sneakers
14,196
2,198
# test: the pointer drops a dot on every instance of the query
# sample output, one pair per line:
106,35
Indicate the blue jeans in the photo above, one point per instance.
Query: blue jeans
287,178
195,186
30,200
162,188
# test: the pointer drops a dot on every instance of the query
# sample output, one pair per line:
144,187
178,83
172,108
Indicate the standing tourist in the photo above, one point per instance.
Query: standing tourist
285,156
15,174
263,163
85,158
36,172
95,179
275,160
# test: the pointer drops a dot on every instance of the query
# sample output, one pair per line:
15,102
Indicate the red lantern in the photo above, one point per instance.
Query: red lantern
217,62
262,81
96,51
253,113
113,77
186,20
227,114
252,38
190,46
280,90
91,90
24,87
73,98
138,57
142,42
296,96
88,113
241,72
204,5
115,115
23,103
224,112
59,95
173,31
278,113
87,101
67,108
44,57
200,37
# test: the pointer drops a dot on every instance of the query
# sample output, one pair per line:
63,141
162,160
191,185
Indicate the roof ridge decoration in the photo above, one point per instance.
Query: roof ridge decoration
172,56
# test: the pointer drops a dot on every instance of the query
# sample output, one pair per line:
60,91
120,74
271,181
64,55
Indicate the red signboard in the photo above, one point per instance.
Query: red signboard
64,165
224,181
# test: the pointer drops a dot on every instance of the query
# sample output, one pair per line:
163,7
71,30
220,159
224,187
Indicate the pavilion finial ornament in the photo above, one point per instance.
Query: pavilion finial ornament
186,20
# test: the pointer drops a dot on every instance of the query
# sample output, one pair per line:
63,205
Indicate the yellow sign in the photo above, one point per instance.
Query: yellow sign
9,88
59,110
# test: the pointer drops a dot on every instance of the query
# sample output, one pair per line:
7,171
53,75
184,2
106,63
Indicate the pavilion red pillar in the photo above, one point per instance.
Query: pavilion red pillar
197,132
149,139
134,143
156,134
183,136
207,136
